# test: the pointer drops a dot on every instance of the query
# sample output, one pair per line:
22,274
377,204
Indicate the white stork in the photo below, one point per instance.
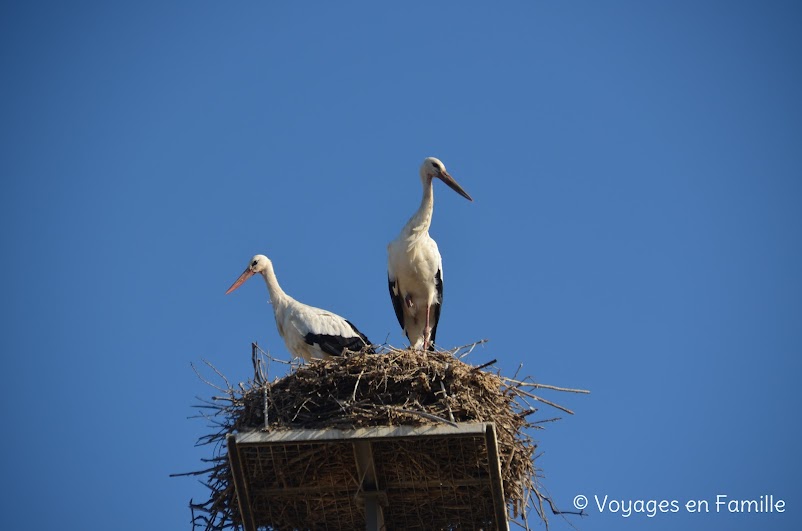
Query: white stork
414,265
309,332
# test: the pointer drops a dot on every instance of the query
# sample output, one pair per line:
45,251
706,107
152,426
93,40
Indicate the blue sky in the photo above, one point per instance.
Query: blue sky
637,175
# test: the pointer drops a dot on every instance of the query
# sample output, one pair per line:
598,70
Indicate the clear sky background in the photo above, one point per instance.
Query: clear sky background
636,231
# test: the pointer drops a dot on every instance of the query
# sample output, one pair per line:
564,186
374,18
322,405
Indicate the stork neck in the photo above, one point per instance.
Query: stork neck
277,295
422,219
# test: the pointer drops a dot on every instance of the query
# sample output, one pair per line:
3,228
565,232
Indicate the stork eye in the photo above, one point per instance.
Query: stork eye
254,263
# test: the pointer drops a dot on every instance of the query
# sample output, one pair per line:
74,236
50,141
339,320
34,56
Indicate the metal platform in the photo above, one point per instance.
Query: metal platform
381,478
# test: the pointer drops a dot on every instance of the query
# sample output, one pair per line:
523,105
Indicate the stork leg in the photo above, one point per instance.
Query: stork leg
427,331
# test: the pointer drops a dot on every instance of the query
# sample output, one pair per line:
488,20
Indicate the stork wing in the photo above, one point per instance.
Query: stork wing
438,281
335,345
335,335
398,301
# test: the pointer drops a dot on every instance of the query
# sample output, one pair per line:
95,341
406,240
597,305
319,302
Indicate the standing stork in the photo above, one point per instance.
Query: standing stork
414,265
309,332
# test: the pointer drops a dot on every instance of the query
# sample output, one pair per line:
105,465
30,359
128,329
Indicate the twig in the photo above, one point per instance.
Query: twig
421,414
520,366
544,421
544,386
548,402
356,385
480,367
470,347
555,510
445,399
204,380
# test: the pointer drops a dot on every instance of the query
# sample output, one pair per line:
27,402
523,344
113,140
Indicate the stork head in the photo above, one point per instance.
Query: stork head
432,168
258,264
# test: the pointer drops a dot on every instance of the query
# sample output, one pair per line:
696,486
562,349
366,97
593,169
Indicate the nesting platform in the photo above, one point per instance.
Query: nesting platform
400,440
333,479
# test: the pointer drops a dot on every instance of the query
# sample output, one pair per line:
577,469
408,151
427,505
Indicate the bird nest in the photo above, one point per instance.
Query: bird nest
395,388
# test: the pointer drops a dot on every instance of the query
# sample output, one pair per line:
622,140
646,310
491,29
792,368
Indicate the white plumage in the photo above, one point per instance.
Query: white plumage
414,265
308,332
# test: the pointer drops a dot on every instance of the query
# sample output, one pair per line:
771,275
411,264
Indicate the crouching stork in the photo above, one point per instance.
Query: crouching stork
309,332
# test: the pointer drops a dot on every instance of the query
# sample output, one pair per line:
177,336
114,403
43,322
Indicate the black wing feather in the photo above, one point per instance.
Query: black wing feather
438,281
335,345
398,300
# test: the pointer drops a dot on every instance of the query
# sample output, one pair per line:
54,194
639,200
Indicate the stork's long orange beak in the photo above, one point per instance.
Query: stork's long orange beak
449,180
241,280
